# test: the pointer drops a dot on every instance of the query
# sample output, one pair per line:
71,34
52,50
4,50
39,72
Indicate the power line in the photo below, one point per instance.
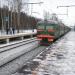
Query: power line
32,5
67,6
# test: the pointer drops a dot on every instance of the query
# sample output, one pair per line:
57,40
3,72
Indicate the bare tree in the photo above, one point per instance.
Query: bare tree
46,15
18,8
12,10
2,26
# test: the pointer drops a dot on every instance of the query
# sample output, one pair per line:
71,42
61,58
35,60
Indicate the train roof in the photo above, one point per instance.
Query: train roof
50,21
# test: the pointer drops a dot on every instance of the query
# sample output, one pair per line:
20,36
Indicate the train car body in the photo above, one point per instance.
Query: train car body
48,31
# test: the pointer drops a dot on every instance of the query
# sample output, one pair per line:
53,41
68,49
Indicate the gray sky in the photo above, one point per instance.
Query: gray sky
51,7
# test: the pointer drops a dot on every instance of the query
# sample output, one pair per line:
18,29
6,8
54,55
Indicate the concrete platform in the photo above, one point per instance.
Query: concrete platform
7,38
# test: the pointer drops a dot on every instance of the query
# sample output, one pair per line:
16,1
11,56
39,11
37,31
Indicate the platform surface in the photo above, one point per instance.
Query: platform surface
4,36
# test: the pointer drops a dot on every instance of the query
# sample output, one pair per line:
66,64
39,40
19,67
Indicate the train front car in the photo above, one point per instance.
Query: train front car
45,32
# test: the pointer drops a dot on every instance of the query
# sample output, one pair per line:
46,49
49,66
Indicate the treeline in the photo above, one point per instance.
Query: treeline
16,20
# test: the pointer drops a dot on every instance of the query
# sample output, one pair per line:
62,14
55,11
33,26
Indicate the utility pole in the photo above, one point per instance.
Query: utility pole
32,5
32,8
67,6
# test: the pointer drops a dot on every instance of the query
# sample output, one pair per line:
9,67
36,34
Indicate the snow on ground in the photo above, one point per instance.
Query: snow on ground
62,62
20,31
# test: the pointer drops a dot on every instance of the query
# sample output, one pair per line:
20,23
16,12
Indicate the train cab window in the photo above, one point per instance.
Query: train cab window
49,27
40,27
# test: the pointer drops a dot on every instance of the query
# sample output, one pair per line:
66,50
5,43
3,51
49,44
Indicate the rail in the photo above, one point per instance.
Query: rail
11,52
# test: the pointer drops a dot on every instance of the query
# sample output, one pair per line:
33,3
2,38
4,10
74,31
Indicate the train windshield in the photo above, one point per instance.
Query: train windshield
49,27
41,26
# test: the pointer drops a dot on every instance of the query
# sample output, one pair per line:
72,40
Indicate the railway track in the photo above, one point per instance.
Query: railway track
7,47
14,50
14,56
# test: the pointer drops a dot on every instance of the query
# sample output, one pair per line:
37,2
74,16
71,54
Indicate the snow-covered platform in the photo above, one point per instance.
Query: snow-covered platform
20,35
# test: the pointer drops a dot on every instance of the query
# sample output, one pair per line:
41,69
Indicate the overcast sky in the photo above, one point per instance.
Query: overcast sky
51,7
